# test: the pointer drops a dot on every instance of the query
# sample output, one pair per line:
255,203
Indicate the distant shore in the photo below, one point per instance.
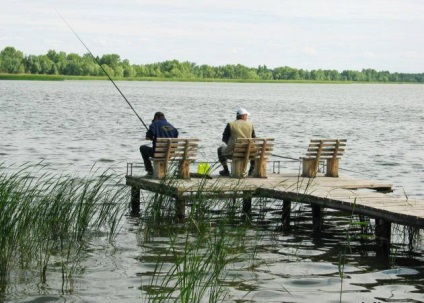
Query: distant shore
42,77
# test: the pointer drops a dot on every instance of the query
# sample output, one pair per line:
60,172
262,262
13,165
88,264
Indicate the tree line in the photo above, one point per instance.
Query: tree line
13,61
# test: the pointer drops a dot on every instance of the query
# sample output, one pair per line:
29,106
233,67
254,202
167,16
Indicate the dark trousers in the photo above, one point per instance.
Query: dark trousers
147,152
223,159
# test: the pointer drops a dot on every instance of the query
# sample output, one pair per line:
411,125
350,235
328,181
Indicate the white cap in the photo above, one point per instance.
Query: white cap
242,111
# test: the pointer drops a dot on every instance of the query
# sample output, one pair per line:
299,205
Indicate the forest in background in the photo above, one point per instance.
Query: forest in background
13,61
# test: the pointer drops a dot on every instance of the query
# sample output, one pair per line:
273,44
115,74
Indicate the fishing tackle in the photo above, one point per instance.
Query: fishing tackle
97,61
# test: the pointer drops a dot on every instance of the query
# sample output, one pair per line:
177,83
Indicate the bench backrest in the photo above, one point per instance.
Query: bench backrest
246,150
326,149
179,150
253,148
176,149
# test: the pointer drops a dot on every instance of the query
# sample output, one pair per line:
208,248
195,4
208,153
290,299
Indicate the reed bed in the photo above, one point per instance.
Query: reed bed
199,252
199,258
46,220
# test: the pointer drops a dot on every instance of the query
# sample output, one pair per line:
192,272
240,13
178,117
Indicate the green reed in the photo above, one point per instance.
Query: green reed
200,251
47,220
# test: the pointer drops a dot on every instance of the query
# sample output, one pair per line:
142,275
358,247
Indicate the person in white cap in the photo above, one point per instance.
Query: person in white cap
239,128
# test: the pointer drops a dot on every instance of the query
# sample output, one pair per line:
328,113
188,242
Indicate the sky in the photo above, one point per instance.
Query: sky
385,35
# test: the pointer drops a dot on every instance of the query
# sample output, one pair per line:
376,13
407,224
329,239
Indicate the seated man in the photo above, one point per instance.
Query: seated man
160,128
239,128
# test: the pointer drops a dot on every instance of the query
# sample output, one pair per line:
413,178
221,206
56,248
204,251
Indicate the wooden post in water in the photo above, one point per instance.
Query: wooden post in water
232,208
413,232
382,235
316,218
247,206
135,201
180,208
285,218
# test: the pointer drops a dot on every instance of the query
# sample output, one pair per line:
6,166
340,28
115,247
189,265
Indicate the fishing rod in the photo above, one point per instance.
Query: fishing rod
353,171
97,61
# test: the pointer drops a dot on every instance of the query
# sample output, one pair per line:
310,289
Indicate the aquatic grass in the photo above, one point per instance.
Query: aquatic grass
349,237
47,220
164,203
200,249
12,219
198,267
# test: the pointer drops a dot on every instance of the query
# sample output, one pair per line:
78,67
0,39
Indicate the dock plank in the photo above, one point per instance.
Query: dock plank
343,193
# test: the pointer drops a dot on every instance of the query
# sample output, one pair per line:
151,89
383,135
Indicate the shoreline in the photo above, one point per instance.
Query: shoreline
43,77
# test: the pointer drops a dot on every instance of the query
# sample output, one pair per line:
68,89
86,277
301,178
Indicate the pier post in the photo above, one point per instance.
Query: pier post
247,207
413,233
232,206
180,208
285,217
135,201
316,218
382,236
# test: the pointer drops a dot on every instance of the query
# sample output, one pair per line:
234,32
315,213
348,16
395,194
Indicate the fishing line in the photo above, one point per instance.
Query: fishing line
97,61
284,157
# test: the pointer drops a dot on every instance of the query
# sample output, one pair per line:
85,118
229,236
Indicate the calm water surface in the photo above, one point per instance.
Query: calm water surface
74,125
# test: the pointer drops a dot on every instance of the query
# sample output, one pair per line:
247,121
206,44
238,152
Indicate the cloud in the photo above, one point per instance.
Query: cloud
305,33
309,51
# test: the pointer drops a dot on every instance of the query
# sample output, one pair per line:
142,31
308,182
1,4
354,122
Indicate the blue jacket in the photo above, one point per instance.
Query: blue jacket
161,129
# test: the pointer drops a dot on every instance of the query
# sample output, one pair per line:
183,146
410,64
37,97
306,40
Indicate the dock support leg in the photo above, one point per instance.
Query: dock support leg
316,218
285,218
180,209
413,232
135,201
247,208
232,208
382,236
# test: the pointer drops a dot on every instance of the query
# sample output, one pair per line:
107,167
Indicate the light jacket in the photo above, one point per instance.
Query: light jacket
237,129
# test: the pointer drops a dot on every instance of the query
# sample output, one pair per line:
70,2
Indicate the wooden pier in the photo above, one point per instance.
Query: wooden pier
358,197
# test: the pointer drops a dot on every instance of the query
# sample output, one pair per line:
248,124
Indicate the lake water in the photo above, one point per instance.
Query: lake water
73,125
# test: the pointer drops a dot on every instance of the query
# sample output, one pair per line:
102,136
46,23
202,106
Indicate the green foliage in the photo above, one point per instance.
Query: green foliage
199,253
13,61
46,221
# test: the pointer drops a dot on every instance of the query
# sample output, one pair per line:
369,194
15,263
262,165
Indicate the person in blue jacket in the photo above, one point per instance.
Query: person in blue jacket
160,128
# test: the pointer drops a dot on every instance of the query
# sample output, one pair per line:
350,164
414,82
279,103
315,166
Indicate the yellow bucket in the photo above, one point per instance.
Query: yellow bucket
203,168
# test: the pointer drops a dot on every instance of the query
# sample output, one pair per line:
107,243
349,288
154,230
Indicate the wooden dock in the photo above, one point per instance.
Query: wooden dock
358,197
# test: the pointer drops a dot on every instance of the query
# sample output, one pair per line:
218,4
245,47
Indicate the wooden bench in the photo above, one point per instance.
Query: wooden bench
179,151
245,150
330,150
